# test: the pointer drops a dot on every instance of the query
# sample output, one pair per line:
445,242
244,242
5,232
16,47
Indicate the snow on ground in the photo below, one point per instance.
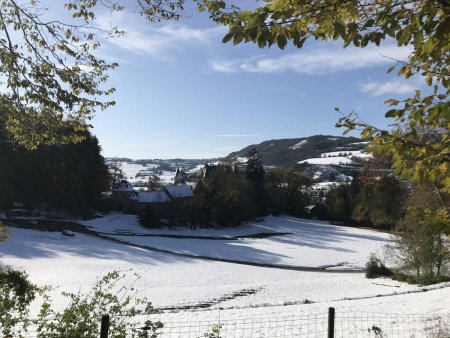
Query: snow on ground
167,177
346,153
241,159
328,160
327,184
298,145
290,300
130,170
196,169
337,157
73,263
307,243
365,142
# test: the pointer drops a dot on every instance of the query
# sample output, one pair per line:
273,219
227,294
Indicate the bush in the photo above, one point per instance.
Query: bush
420,246
16,294
215,332
375,268
81,318
421,250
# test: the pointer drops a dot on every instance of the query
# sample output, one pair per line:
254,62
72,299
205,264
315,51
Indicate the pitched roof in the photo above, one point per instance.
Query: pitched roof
177,191
123,186
152,197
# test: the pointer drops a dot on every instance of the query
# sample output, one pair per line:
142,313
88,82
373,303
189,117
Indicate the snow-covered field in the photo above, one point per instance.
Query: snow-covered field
306,243
173,282
337,157
132,171
328,160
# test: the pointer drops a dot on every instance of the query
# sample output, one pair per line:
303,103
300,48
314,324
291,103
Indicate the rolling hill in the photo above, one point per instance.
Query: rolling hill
288,152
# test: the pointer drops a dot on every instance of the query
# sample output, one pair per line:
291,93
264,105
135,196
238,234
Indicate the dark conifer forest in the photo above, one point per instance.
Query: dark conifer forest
62,177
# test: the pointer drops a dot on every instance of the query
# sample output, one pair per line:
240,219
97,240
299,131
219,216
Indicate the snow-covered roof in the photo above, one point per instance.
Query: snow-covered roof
152,197
181,190
123,186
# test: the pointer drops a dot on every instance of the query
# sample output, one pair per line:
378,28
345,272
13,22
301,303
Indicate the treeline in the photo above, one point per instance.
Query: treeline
230,194
68,177
373,198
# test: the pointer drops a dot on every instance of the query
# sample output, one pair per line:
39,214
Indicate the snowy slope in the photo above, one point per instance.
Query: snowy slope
138,173
328,160
308,243
73,263
288,299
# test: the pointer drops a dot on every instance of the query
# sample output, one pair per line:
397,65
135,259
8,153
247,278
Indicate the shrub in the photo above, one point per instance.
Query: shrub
16,294
421,249
81,318
420,245
375,268
215,332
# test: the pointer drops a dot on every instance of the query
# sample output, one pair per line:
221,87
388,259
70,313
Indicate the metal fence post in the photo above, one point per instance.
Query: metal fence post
104,328
331,316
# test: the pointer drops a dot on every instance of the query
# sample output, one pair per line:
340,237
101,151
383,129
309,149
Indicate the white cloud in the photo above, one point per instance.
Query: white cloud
390,87
319,61
143,38
224,66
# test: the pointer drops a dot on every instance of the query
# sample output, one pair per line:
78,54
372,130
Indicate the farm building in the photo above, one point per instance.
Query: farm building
125,198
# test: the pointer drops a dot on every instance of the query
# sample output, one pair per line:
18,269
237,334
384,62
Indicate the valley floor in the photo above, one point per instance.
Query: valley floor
192,289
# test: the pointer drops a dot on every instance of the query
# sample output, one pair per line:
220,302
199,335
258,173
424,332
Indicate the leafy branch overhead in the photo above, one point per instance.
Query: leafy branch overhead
52,82
419,141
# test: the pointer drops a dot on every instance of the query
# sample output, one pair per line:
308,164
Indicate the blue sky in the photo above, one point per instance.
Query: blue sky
181,92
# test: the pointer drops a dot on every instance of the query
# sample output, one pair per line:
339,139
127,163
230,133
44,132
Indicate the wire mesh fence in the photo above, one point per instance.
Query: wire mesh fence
283,327
361,324
340,325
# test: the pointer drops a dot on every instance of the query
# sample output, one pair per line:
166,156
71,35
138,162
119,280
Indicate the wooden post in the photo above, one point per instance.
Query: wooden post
331,316
104,328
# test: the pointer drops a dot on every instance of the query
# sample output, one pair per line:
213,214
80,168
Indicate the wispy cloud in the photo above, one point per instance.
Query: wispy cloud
238,135
319,61
142,38
225,66
390,87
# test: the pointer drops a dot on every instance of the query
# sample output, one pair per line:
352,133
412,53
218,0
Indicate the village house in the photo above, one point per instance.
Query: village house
126,199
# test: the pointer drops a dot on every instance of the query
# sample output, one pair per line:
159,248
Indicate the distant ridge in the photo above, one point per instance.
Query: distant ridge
288,152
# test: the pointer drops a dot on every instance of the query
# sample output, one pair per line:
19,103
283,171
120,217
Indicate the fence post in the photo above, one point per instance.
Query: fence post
104,328
331,315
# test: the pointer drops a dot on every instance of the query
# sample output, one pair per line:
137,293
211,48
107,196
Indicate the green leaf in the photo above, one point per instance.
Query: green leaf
281,41
391,102
391,113
339,28
428,46
238,37
227,37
